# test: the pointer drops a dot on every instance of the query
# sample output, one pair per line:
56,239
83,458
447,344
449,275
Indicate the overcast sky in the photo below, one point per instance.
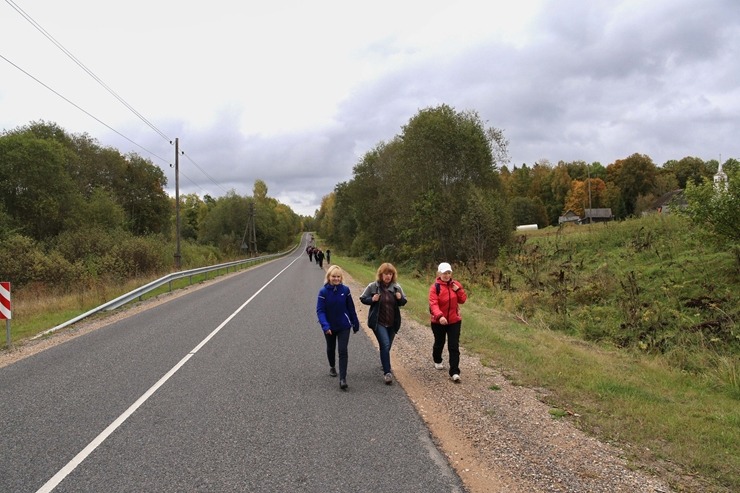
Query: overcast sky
294,93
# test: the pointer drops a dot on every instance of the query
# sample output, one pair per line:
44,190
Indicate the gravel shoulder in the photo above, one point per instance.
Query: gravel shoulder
501,440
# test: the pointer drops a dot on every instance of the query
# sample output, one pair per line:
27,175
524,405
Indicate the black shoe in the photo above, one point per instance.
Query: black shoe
343,384
332,372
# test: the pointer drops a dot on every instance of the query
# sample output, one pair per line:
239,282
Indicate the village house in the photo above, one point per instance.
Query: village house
597,215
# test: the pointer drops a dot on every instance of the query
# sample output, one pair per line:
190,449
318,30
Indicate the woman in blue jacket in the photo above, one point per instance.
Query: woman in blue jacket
336,312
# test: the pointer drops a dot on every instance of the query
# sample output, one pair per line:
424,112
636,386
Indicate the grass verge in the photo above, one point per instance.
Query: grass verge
671,423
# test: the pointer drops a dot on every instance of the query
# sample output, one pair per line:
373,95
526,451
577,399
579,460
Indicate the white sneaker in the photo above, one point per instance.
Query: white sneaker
439,366
388,377
456,378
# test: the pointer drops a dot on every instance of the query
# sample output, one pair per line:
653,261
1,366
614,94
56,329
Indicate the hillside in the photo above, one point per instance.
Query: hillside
628,330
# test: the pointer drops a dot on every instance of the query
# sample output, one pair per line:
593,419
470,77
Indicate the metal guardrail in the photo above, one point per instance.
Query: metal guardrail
168,279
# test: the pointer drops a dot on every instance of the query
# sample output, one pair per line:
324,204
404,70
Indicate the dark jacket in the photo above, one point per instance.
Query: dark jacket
367,299
335,309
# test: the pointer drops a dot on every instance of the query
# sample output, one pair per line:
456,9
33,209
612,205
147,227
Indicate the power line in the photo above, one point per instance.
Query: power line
111,91
191,181
83,67
116,131
204,172
84,111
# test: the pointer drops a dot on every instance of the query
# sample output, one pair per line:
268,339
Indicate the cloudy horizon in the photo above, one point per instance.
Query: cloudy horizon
295,94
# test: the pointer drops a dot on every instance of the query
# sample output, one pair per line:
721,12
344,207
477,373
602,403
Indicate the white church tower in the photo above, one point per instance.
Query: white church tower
720,178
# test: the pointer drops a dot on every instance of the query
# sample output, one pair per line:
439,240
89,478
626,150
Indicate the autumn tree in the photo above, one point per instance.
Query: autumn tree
325,218
688,169
142,196
526,210
488,225
560,186
342,215
634,176
521,182
408,196
586,194
444,153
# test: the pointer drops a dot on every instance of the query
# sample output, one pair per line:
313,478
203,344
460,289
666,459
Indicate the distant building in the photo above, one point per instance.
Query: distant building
720,179
569,217
667,202
597,215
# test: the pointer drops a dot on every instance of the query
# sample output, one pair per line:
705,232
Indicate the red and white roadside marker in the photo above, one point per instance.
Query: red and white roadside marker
5,312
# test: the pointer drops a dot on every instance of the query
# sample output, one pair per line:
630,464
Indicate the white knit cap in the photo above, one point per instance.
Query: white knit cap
444,267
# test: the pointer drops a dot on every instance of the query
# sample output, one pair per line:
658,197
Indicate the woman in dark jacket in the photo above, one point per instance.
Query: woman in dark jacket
336,312
385,298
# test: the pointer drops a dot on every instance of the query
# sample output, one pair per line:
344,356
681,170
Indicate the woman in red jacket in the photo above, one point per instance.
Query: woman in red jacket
445,296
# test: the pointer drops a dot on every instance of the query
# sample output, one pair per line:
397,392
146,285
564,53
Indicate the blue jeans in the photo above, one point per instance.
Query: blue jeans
385,337
340,339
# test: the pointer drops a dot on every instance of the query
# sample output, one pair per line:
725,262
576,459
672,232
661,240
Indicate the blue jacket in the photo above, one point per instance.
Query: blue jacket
335,309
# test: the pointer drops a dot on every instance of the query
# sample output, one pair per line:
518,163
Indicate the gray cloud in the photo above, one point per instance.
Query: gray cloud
591,80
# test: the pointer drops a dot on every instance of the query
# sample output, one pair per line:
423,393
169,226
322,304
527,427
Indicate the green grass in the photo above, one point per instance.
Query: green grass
677,423
675,412
37,311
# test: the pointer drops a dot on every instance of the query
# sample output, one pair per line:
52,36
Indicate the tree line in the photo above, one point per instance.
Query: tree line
73,211
442,189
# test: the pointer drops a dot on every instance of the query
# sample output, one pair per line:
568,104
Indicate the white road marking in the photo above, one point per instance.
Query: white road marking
84,453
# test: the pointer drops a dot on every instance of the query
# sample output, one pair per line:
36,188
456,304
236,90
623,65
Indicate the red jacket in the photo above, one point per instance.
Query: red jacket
445,303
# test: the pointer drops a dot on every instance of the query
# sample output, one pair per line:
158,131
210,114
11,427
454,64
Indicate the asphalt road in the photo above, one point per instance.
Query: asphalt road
223,389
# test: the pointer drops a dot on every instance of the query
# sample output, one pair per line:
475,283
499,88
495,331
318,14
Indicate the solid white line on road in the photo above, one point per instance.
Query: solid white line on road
77,459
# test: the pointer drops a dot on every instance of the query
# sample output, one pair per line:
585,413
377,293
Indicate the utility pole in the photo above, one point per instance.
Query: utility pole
249,241
177,202
253,239
590,210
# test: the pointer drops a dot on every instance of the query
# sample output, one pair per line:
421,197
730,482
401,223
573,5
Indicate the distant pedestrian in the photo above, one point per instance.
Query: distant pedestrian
385,297
328,256
309,251
320,258
337,315
445,296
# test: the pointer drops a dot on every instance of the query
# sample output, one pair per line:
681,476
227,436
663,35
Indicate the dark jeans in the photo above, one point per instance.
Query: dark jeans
340,339
452,333
385,338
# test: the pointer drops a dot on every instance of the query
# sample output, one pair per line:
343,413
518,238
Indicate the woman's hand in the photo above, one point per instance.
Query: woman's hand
442,321
376,297
398,295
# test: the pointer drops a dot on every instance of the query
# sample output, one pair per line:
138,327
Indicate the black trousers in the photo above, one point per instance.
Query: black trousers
338,342
450,333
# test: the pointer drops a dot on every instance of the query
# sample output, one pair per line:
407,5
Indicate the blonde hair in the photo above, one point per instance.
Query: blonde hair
331,270
384,269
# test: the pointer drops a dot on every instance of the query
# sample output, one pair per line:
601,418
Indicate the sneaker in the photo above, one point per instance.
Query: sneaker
388,378
456,378
332,372
343,384
439,366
